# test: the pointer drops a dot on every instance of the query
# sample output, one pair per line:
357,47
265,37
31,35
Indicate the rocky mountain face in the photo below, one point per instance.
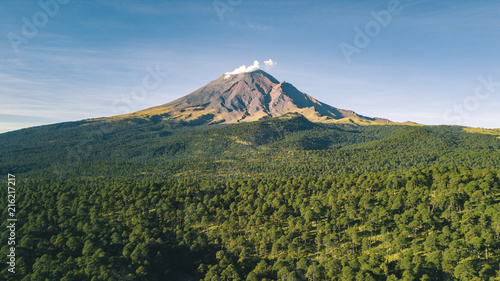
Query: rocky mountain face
247,97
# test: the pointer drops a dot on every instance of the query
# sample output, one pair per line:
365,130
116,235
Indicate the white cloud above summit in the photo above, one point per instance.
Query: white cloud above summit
270,64
256,65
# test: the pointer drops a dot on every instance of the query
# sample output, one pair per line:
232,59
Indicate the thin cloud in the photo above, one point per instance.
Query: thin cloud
270,64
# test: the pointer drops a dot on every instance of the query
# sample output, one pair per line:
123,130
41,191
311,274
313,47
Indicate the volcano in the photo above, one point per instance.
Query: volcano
248,97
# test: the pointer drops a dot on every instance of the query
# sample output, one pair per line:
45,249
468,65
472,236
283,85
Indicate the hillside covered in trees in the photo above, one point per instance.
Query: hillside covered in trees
433,224
284,146
278,199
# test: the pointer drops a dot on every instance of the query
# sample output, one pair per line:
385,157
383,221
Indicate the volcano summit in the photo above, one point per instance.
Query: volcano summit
247,97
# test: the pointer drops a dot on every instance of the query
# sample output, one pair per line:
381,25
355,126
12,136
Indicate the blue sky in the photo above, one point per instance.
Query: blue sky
430,63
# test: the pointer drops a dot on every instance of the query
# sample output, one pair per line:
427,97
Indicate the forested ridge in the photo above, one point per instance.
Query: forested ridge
285,146
278,199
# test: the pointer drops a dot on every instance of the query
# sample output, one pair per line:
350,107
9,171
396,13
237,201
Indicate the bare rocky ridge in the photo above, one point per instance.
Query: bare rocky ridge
250,97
